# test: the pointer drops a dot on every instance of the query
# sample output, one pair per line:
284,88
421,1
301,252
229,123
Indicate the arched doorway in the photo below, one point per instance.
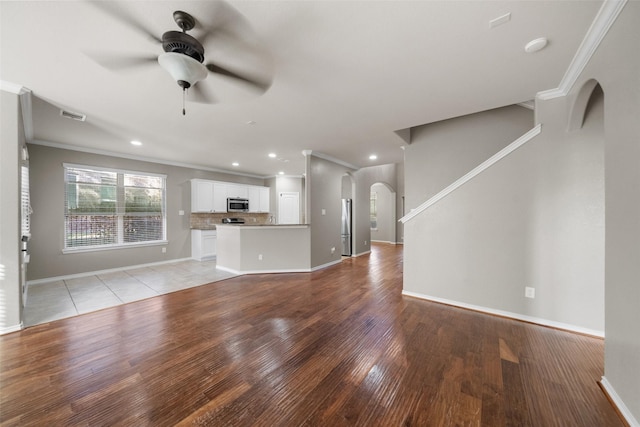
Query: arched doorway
382,213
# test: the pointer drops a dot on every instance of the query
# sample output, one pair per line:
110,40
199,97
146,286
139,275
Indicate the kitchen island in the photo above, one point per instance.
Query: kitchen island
264,248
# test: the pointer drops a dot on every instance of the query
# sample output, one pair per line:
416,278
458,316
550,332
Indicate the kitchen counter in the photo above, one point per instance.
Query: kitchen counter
265,225
264,248
215,226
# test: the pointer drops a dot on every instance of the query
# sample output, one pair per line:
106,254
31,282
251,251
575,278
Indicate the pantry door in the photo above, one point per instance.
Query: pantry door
289,208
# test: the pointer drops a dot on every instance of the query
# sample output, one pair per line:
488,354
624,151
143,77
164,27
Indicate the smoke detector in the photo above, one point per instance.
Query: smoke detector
536,45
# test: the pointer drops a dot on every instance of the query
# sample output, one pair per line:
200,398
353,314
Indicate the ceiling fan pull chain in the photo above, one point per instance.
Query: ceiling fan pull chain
184,90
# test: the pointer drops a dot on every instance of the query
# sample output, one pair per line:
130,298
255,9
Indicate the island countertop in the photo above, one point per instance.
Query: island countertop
249,225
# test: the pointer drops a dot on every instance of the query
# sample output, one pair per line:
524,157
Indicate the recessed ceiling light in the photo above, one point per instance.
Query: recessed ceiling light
272,155
373,157
280,173
536,45
235,164
136,143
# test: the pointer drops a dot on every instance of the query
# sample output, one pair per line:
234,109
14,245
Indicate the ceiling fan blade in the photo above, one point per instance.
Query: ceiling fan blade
115,11
225,21
258,83
118,62
200,93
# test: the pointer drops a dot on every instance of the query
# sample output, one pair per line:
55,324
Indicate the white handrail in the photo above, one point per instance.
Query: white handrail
474,172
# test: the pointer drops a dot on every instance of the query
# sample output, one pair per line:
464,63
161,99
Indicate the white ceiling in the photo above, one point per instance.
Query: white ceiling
346,74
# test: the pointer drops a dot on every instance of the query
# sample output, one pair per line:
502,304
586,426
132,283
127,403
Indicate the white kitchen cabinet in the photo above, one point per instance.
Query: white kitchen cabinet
203,244
264,199
258,198
211,196
253,194
202,196
220,197
237,191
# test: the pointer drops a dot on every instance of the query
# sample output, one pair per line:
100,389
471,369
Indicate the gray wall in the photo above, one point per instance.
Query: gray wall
47,200
11,143
324,192
616,66
533,219
444,151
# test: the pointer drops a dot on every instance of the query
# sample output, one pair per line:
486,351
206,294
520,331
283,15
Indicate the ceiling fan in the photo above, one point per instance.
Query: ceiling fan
183,56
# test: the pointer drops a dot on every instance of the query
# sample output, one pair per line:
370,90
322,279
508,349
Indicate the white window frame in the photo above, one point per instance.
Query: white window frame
119,211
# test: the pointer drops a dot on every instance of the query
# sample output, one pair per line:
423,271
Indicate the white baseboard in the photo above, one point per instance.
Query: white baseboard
228,270
9,329
388,242
361,254
288,270
109,270
329,264
240,273
509,314
622,408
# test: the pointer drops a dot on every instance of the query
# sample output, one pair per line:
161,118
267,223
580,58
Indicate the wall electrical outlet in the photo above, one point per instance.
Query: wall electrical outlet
529,292
164,250
366,241
259,257
333,250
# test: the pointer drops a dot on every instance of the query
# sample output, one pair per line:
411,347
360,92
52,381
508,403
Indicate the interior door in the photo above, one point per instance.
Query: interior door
289,208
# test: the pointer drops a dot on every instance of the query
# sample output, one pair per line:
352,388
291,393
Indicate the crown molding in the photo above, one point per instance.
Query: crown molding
25,105
140,158
329,158
12,87
600,26
530,104
27,114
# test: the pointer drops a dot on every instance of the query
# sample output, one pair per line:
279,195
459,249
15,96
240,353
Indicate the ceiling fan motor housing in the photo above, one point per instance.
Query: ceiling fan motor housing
179,42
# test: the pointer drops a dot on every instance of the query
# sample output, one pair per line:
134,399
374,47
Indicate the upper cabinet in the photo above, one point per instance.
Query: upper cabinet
264,199
202,196
237,191
211,196
219,197
258,198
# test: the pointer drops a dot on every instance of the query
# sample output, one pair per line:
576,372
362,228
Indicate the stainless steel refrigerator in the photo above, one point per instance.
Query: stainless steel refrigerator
346,227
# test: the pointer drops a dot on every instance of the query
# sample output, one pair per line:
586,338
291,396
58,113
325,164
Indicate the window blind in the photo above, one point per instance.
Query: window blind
110,208
25,202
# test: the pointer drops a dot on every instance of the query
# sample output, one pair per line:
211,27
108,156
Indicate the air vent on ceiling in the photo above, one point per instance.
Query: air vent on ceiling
73,116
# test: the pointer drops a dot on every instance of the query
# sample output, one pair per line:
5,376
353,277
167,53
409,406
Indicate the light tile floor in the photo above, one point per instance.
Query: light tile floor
65,298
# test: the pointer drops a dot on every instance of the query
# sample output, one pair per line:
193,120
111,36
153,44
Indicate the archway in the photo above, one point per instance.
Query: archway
581,104
382,213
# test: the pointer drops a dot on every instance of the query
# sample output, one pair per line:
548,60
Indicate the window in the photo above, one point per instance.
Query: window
373,210
108,208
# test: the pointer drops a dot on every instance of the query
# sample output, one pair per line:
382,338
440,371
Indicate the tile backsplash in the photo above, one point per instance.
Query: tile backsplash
208,221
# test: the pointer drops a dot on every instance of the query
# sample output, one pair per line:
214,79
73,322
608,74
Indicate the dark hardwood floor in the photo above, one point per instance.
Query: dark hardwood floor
340,346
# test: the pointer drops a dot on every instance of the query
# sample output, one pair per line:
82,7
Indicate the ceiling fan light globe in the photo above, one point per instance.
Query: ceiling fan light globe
182,67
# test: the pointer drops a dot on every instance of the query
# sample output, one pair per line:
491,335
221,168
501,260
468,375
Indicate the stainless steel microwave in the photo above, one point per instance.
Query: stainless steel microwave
237,205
